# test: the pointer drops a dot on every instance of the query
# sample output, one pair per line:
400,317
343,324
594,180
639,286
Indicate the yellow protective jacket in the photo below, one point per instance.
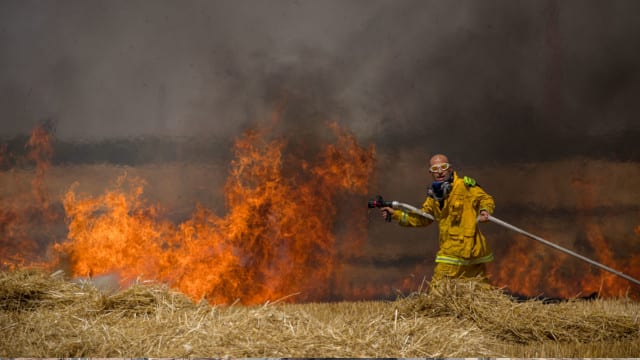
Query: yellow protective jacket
461,242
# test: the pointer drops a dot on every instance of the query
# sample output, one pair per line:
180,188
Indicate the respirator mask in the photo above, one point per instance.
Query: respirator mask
439,190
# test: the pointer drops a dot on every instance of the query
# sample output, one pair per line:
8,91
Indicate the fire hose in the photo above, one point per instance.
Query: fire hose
402,206
565,250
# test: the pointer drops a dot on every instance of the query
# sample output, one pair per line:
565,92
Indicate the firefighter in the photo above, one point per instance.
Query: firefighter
457,204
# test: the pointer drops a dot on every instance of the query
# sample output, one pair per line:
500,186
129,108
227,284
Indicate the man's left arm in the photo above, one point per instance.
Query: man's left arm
484,201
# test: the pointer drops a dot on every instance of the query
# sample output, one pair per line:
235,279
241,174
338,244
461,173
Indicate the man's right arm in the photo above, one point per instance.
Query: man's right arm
410,219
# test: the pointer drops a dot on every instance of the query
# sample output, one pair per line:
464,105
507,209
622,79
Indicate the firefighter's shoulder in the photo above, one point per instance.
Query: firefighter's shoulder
469,181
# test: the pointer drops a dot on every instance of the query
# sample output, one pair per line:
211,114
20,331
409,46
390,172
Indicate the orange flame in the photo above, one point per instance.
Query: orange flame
40,151
19,242
282,233
276,239
532,269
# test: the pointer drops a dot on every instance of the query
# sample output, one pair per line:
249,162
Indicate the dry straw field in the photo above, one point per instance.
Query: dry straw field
47,315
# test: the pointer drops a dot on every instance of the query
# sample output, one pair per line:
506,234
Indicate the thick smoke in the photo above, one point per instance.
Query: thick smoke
490,83
476,79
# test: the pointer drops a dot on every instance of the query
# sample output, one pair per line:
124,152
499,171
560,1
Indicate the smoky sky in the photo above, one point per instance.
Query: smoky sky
499,80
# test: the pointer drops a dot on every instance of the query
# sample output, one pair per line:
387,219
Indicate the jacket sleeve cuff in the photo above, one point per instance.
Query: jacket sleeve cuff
401,216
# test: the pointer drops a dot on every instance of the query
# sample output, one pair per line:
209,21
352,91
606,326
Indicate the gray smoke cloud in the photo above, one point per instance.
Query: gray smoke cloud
509,80
486,82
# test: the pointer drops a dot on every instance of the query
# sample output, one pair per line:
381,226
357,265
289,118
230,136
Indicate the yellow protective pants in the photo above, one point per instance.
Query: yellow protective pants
444,270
